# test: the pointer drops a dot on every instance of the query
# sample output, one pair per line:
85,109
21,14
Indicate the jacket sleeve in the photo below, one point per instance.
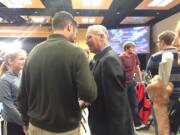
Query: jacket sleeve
152,66
85,82
11,109
23,98
114,89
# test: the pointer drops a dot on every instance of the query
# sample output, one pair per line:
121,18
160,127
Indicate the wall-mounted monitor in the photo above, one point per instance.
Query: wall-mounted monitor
139,35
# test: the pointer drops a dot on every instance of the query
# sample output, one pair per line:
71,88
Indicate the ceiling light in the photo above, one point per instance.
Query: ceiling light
154,3
85,20
88,20
16,3
38,19
10,47
159,3
21,2
165,2
92,20
86,2
1,19
96,3
91,3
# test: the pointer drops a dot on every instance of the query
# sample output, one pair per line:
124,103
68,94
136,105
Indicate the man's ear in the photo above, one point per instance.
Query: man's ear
10,61
69,27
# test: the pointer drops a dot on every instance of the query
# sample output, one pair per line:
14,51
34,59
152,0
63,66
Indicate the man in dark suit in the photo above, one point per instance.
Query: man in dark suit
110,113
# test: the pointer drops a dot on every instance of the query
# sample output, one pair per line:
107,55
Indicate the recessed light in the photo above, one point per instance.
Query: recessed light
1,19
35,12
117,13
157,13
88,20
159,3
85,20
93,3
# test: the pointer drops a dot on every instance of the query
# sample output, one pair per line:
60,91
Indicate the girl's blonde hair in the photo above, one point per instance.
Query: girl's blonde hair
9,56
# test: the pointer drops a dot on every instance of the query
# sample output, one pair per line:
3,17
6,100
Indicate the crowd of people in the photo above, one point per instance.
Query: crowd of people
44,93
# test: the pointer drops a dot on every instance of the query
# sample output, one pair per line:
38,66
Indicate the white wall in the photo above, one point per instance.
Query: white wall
166,24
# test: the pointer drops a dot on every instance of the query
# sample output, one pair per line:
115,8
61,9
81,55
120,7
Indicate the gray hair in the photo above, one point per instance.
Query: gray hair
99,29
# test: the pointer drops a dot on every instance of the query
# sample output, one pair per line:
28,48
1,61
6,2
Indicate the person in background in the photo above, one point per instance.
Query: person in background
1,62
176,42
2,54
131,64
165,44
175,98
9,87
56,75
110,113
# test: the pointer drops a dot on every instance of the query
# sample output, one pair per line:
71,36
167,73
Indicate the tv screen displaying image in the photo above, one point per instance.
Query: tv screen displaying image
139,35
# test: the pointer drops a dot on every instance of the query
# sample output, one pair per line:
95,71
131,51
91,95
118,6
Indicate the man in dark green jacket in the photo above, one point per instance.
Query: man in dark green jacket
56,75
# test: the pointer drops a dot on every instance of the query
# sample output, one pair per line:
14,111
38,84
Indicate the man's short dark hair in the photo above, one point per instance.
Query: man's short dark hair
167,37
61,19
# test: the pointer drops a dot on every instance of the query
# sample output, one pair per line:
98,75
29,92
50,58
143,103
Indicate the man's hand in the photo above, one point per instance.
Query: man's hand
25,129
158,91
83,104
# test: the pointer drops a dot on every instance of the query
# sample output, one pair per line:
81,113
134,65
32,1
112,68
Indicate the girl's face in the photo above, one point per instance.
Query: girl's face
17,64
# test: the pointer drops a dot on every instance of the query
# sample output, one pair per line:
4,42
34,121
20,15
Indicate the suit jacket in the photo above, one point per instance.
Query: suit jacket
110,113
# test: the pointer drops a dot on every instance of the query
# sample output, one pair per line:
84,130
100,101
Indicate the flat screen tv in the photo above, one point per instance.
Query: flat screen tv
139,35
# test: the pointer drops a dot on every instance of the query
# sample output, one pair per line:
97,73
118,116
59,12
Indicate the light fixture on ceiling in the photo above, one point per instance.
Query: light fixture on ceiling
1,19
92,20
7,47
16,3
88,20
85,20
159,3
92,3
38,19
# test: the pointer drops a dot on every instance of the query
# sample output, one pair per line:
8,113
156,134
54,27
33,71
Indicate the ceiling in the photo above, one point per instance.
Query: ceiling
30,20
111,13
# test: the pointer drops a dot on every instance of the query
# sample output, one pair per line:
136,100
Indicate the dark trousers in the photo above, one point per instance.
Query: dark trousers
13,129
132,97
174,115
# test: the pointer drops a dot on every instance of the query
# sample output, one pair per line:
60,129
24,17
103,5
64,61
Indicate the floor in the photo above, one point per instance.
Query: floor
85,129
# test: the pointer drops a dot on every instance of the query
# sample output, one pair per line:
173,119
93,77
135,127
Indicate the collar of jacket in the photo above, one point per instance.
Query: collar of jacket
56,37
101,53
